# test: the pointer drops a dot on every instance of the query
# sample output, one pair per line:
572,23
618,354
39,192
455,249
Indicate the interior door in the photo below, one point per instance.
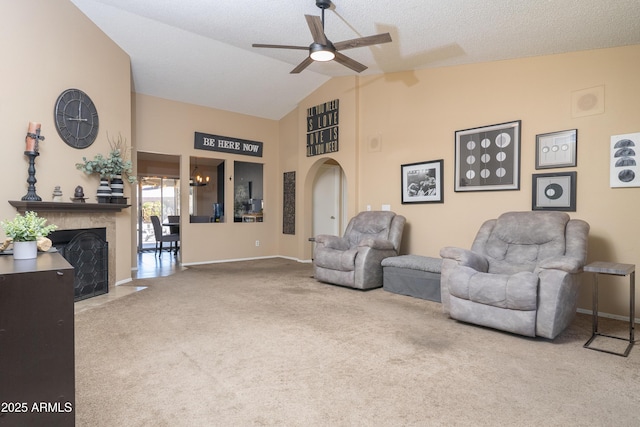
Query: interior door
326,200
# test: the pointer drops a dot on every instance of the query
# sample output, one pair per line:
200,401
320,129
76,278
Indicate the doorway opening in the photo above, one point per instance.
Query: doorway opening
158,194
329,200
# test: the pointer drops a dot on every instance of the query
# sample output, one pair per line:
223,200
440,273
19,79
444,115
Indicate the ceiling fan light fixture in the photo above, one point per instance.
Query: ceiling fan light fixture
321,53
322,50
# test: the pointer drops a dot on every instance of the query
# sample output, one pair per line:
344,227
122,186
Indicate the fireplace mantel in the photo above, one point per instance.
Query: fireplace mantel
22,206
69,215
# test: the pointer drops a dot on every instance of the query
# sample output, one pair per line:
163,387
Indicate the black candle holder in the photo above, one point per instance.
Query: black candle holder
31,180
31,192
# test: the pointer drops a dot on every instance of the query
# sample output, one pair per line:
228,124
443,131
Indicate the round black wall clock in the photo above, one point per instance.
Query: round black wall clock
76,118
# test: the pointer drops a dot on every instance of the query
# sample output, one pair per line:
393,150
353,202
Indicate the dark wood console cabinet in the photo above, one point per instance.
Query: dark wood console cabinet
37,365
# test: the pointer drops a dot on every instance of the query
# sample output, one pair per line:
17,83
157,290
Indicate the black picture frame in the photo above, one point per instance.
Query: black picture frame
554,191
557,149
422,182
487,158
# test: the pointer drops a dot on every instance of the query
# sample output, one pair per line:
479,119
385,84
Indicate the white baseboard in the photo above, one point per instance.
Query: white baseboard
303,261
243,259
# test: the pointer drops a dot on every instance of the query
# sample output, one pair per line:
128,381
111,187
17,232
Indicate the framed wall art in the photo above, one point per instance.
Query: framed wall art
488,158
289,203
624,171
557,149
422,182
554,192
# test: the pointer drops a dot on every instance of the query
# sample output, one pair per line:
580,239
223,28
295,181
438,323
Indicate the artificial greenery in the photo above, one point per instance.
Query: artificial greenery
116,163
27,227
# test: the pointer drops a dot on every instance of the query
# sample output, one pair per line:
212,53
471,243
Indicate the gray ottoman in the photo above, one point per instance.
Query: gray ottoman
413,275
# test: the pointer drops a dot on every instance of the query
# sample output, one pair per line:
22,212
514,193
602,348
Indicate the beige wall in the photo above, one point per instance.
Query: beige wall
291,245
48,47
414,116
168,127
346,91
163,168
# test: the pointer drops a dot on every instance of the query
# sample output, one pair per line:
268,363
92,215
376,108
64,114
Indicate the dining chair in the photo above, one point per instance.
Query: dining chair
174,219
161,238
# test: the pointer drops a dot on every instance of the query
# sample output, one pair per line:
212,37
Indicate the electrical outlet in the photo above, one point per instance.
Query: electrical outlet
257,242
368,207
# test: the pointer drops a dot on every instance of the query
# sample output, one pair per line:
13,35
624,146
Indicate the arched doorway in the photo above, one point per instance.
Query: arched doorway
329,199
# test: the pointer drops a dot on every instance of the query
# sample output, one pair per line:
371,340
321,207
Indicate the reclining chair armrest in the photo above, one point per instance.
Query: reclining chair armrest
466,258
333,242
376,244
368,271
564,263
557,301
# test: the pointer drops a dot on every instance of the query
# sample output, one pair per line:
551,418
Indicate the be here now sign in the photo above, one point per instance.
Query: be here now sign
225,144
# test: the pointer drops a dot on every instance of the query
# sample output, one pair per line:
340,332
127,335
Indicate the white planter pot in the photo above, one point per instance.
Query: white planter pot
25,250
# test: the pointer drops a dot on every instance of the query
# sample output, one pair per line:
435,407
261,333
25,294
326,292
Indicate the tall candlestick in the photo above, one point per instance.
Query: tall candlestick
31,180
33,136
31,141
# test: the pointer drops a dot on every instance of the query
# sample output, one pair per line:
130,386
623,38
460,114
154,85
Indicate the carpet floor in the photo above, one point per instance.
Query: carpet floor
262,343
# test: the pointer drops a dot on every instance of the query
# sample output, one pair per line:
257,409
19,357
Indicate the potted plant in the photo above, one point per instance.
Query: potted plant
100,167
25,230
121,167
114,167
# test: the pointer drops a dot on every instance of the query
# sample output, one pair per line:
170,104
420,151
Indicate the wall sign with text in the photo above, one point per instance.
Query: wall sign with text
225,144
322,128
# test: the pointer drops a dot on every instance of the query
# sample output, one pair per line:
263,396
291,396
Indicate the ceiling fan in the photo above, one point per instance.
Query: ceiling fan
323,50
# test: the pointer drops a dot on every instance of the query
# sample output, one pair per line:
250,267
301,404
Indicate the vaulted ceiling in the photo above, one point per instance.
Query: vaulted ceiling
199,51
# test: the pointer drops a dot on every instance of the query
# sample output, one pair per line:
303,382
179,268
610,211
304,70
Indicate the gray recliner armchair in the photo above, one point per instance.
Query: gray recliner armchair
521,275
354,260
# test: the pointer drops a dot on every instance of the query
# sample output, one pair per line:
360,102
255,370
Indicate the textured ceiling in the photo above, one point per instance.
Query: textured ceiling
199,51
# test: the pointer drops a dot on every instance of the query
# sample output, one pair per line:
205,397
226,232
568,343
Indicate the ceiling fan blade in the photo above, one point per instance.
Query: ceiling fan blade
280,46
363,41
315,25
304,64
350,63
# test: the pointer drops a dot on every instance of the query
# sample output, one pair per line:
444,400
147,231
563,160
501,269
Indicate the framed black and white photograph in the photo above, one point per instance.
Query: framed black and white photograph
557,149
422,182
488,158
554,192
624,170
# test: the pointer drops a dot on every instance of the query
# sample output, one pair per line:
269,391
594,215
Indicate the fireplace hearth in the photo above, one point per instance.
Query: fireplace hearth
69,216
87,250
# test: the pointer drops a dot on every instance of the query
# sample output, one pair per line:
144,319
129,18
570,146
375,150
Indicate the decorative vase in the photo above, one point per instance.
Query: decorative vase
117,186
25,250
217,212
104,191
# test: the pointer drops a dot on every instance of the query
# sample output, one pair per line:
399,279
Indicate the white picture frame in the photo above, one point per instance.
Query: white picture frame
624,170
